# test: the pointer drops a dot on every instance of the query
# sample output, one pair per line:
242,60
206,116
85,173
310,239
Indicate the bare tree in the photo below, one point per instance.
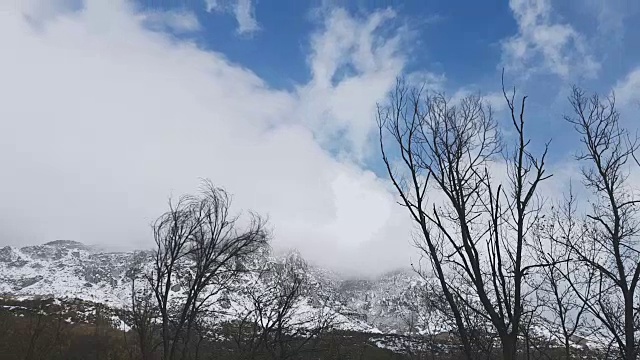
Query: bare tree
609,247
143,320
198,246
565,314
479,233
278,320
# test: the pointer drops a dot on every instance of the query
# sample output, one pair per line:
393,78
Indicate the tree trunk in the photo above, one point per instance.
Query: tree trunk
165,340
567,349
509,347
629,327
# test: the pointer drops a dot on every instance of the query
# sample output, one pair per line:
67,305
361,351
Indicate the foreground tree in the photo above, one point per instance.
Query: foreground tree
609,247
199,245
277,320
477,237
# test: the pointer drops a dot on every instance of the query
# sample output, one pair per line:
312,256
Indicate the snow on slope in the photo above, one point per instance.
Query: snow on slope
68,269
390,304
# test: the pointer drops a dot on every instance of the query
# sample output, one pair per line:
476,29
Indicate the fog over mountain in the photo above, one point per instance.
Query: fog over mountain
128,116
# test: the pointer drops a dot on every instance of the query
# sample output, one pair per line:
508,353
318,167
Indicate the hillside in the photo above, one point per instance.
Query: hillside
70,270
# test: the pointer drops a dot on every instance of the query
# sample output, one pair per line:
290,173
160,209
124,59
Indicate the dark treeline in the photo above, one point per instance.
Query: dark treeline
40,329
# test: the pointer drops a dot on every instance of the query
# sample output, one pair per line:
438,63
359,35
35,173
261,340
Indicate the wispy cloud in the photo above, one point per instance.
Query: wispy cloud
176,21
243,10
353,66
542,44
610,16
627,90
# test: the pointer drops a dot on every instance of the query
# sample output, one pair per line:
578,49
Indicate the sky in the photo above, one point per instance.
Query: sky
108,108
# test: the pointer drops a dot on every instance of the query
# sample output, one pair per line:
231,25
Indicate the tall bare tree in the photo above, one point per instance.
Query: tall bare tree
198,247
609,247
479,233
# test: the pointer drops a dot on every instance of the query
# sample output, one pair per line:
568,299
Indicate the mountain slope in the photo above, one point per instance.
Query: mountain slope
68,269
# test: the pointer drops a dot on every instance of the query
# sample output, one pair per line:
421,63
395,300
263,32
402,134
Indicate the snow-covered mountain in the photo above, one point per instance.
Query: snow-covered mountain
66,269
389,308
70,270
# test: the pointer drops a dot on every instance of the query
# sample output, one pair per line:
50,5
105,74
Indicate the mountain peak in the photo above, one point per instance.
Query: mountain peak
66,244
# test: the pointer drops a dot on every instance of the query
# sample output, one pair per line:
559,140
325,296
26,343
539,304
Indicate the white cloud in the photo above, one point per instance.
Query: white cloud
243,10
627,90
348,56
494,99
245,15
426,80
211,5
37,10
542,44
611,16
103,118
178,22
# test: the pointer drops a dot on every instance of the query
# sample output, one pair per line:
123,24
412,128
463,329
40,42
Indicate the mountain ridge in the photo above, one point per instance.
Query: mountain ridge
71,269
393,304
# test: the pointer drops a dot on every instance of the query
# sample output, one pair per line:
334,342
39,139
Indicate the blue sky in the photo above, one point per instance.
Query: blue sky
112,106
277,50
461,41
460,38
